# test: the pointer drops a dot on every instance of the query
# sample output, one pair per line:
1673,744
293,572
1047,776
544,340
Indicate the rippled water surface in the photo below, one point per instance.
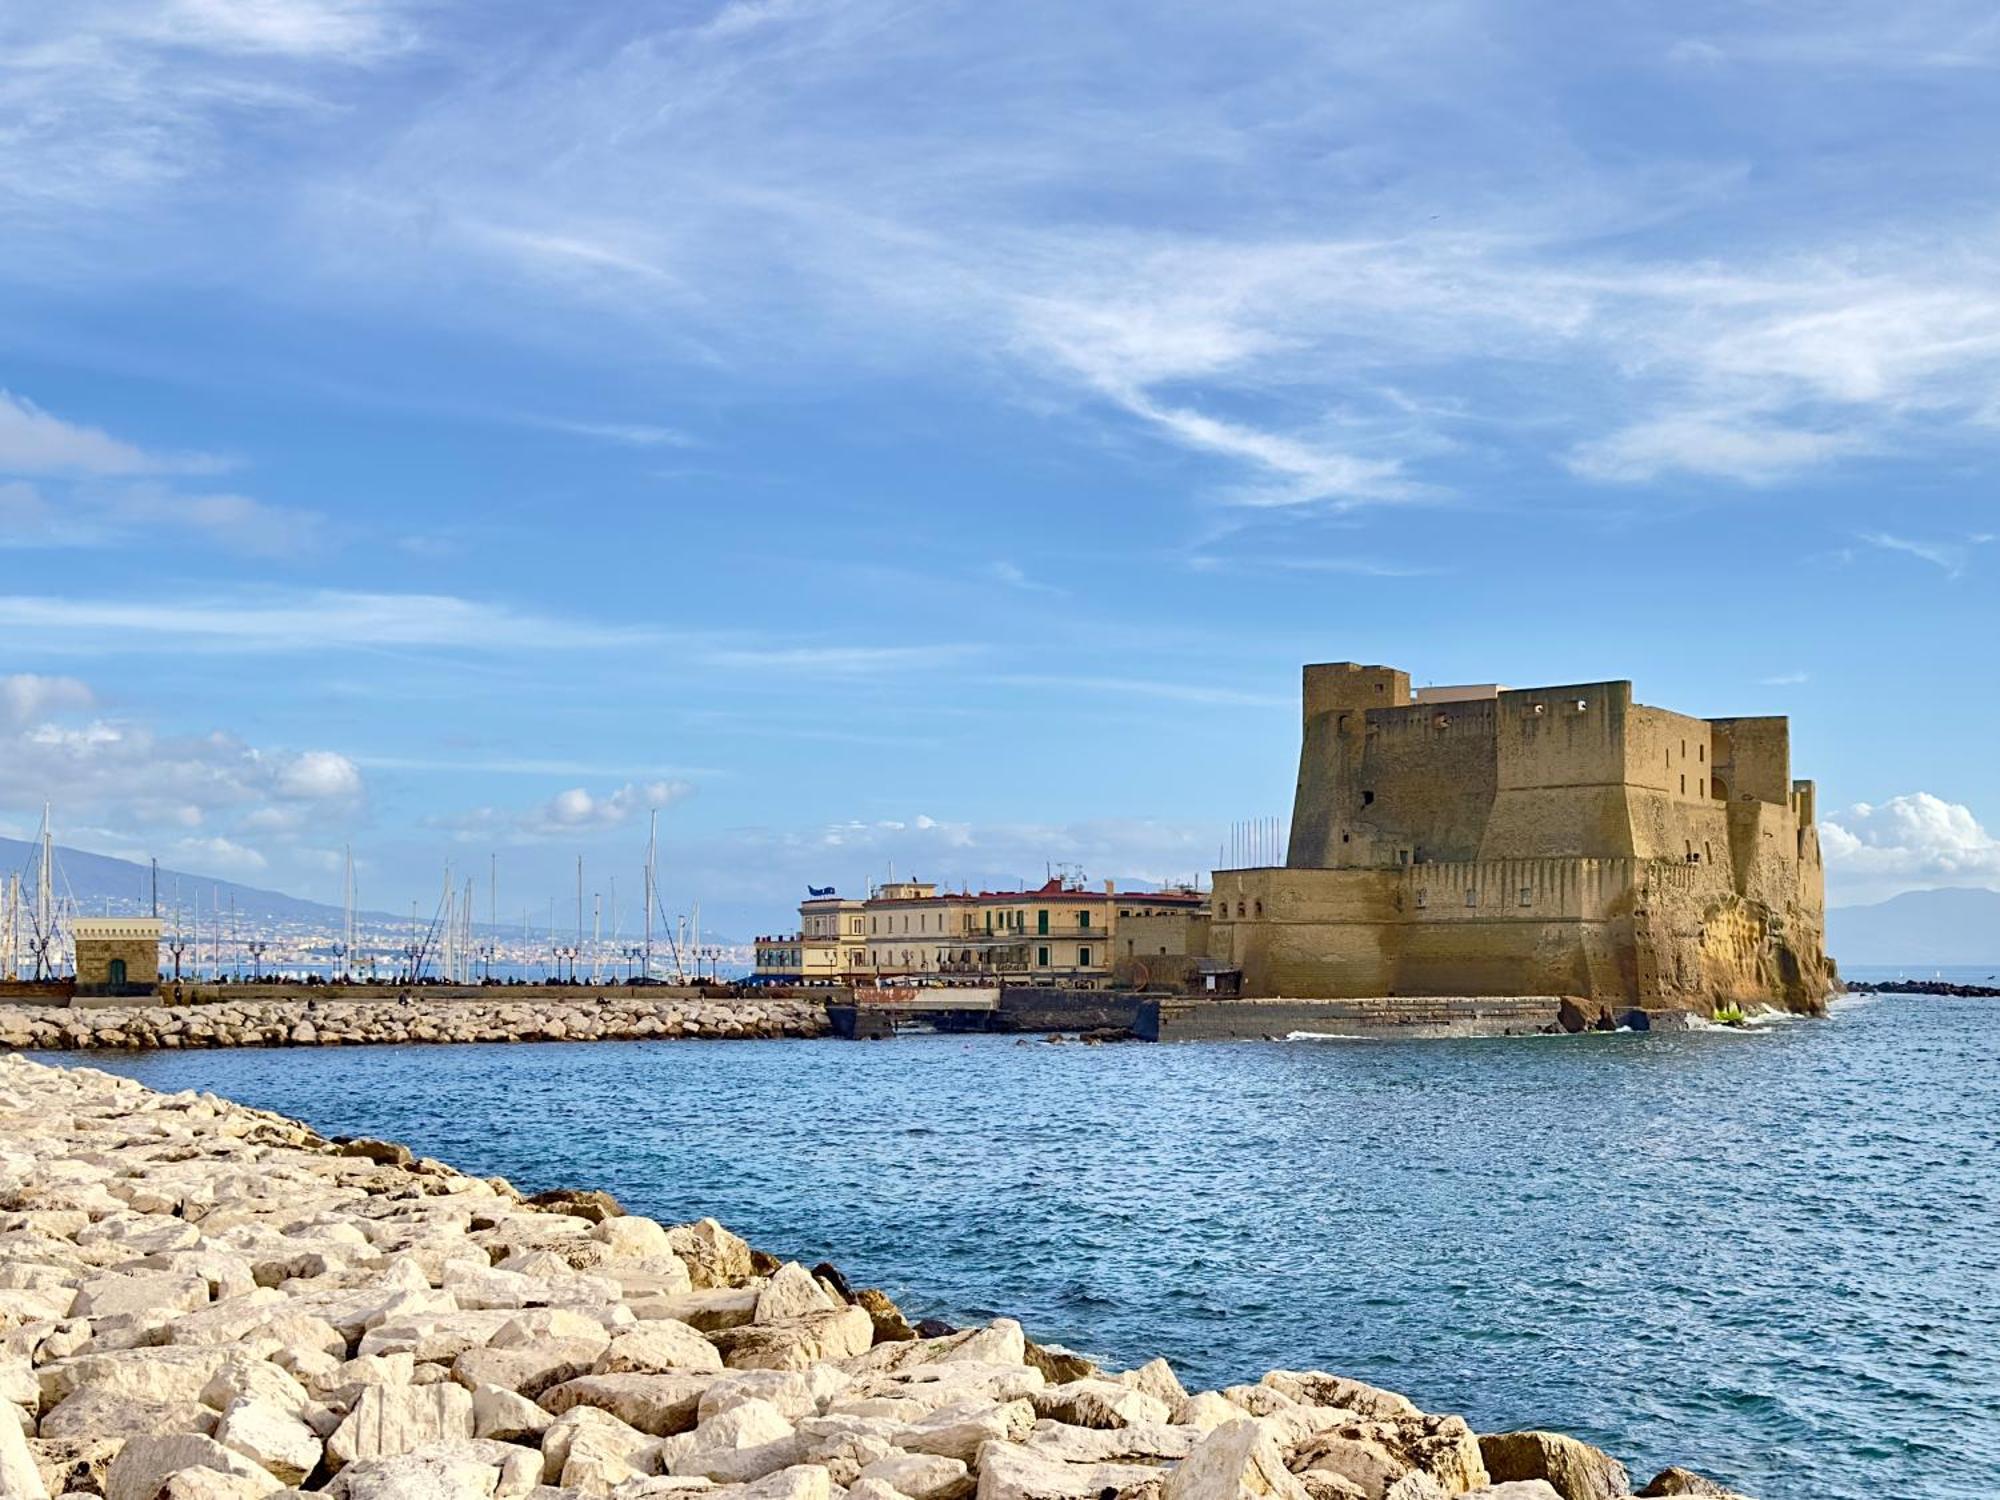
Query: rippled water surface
1774,1256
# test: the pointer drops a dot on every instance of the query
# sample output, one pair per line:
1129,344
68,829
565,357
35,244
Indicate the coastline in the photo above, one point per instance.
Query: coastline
214,1302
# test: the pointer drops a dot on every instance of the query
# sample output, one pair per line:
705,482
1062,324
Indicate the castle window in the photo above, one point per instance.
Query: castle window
1471,895
1539,709
1684,786
1345,837
1583,705
1260,908
1708,851
1423,899
1367,799
1239,909
1527,895
1701,753
1442,721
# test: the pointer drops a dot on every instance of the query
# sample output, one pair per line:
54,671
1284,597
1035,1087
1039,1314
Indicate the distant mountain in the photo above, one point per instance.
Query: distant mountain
97,879
1919,928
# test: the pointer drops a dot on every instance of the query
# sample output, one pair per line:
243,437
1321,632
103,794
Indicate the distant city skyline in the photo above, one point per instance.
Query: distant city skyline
939,436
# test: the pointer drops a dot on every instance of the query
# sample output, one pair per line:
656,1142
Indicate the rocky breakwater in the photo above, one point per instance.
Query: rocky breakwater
200,1301
324,1023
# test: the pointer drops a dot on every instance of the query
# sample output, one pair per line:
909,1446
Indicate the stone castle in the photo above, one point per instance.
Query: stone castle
1547,841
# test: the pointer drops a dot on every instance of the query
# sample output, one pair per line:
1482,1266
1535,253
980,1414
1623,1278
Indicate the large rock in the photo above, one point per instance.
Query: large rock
713,1256
963,1432
799,1343
94,1412
1239,1461
529,1371
1317,1388
1679,1481
1010,1473
161,1293
19,1476
270,1437
390,1419
145,1464
921,1476
662,1344
506,1415
659,1404
793,1293
1574,1470
1098,1403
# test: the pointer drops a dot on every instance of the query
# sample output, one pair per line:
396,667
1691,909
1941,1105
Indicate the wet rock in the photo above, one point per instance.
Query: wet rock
1679,1481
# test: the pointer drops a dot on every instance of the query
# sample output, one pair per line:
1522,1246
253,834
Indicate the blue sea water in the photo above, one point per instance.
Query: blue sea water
1772,1255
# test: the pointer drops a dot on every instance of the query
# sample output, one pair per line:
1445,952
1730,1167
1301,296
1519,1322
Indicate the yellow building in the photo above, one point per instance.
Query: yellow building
910,931
829,948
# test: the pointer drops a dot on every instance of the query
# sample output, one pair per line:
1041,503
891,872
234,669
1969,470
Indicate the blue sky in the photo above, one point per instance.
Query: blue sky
938,432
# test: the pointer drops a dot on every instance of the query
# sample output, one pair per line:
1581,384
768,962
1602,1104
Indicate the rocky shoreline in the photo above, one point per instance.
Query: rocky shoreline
202,1301
326,1023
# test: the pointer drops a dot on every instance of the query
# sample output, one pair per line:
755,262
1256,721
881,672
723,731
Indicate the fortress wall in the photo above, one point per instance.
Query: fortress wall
1561,774
1753,758
1306,932
1317,805
1764,852
1432,773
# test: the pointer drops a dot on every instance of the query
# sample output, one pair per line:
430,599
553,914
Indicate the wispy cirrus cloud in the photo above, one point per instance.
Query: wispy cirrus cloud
1949,557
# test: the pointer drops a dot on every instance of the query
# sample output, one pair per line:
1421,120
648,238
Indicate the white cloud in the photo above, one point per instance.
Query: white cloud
576,812
1015,577
843,661
256,621
1949,557
33,441
1910,841
321,776
1725,448
26,698
128,781
217,856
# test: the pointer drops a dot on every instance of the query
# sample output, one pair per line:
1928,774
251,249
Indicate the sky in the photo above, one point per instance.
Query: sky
932,435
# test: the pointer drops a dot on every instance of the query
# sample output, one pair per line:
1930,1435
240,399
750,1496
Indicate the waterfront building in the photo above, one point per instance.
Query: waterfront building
1058,933
828,948
1544,841
116,955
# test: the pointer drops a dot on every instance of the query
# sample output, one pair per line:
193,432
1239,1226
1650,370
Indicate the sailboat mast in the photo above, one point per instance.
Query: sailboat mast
652,858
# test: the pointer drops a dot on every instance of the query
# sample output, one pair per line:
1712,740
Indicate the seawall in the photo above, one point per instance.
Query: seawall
301,1022
200,1301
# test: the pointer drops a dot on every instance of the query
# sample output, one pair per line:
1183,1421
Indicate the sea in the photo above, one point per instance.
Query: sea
1771,1254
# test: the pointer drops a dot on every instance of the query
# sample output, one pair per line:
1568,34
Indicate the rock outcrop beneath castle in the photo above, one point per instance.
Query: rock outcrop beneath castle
1558,840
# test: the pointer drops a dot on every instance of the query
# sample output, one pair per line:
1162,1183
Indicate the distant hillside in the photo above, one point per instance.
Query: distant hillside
1929,928
95,879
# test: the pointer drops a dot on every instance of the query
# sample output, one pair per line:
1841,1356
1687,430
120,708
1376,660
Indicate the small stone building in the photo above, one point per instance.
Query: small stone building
117,955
